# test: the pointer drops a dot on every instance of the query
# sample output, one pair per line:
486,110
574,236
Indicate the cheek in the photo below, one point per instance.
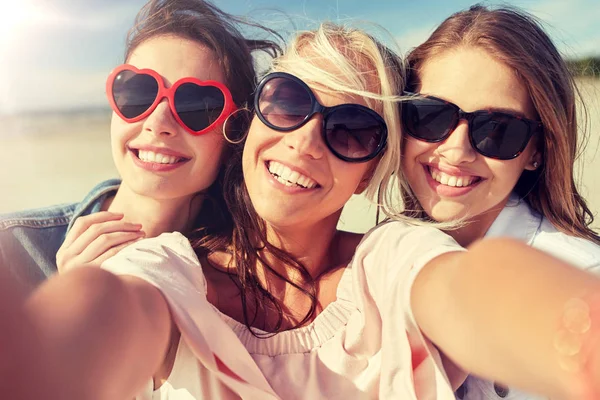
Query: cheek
209,147
506,171
348,176
413,149
259,139
118,134
121,131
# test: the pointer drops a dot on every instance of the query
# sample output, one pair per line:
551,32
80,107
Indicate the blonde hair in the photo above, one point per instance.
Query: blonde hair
364,67
334,59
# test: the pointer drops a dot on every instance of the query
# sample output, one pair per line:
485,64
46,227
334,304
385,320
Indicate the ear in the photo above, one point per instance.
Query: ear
362,186
534,162
364,183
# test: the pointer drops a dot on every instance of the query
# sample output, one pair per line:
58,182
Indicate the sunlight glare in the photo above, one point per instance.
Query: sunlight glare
22,15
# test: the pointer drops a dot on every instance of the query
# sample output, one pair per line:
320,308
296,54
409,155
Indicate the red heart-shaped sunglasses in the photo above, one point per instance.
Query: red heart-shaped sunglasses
197,105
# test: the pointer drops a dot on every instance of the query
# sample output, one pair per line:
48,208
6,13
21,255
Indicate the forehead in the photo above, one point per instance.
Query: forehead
324,77
474,80
174,57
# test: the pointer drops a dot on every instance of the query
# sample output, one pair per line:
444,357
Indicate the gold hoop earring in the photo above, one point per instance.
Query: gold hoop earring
238,125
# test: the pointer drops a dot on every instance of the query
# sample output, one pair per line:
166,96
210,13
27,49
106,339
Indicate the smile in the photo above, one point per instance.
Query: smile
452,180
288,177
150,156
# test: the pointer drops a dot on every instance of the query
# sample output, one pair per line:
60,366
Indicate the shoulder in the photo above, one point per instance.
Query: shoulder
415,237
400,245
167,246
577,251
93,201
60,214
30,239
39,218
166,253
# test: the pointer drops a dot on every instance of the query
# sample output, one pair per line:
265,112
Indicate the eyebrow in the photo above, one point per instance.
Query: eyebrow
504,110
511,111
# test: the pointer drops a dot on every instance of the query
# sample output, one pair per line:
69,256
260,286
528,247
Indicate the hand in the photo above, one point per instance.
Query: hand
95,238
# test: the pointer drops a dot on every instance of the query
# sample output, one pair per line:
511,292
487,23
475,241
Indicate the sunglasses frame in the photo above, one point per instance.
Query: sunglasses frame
317,107
532,126
228,107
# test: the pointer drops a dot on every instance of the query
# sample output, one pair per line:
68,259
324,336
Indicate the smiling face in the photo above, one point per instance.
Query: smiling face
156,157
293,179
450,179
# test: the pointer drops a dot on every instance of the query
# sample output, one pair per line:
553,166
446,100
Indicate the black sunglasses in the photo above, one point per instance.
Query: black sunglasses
353,133
493,134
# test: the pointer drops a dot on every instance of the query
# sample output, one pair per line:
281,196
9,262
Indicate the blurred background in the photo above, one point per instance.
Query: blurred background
55,56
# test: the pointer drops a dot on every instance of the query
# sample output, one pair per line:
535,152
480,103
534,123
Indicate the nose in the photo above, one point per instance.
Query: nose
307,140
457,147
161,121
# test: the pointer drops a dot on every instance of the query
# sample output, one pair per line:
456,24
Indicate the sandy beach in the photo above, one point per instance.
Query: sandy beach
57,158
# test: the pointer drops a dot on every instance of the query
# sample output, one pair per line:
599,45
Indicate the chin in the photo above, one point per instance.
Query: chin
447,212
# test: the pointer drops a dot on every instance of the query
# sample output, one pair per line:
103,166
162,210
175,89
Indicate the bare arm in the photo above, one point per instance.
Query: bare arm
99,336
496,311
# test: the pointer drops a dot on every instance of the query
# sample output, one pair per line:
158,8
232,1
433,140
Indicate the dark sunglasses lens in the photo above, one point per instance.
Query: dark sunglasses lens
499,136
198,106
134,93
284,103
354,133
428,119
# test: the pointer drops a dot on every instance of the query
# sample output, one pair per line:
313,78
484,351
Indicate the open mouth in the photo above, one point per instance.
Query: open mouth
157,158
288,177
452,180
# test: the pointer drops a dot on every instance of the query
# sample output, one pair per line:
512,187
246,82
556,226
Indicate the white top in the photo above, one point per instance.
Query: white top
364,345
519,221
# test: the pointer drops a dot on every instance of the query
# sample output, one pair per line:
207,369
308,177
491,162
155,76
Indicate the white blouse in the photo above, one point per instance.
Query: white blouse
364,345
519,221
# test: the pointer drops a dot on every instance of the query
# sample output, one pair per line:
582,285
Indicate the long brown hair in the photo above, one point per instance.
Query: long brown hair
363,63
518,40
202,22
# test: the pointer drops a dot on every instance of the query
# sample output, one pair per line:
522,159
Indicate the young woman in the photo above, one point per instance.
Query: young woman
492,137
294,308
187,69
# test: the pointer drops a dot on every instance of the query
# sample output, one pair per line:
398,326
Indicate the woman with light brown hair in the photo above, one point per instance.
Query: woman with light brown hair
492,136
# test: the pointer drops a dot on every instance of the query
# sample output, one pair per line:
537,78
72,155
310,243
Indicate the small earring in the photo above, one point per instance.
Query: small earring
535,164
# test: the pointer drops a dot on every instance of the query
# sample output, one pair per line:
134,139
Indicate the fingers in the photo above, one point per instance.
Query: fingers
94,238
83,223
100,229
108,241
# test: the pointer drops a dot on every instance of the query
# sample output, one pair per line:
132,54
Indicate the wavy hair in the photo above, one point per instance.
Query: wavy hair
204,23
337,59
518,40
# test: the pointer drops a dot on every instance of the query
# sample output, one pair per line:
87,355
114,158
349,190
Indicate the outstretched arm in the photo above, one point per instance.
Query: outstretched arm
508,312
94,335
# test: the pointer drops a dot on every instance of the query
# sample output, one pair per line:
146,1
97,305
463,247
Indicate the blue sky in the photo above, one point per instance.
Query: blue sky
56,54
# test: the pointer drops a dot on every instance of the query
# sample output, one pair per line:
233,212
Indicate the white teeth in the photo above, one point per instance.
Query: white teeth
150,156
451,180
289,177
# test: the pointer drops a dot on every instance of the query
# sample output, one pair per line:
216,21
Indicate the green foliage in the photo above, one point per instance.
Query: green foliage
589,66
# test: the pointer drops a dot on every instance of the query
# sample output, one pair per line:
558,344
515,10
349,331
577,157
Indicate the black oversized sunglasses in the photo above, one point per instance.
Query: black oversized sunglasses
352,132
498,135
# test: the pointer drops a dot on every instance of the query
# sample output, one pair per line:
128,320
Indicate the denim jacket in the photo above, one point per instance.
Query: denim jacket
29,240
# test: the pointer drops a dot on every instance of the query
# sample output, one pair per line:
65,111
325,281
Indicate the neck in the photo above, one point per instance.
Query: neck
313,245
156,215
476,227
